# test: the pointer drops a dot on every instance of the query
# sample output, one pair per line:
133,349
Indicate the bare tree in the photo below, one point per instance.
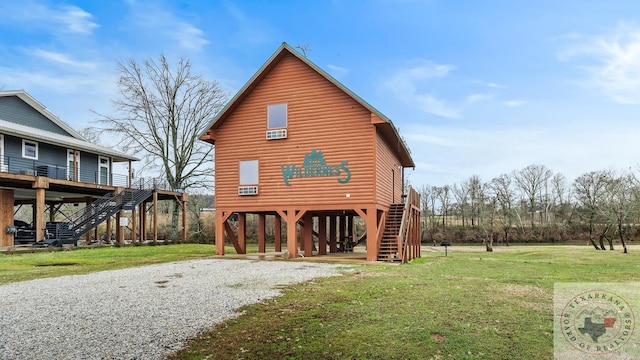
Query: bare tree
505,198
160,113
461,196
91,134
476,196
195,206
485,208
444,195
426,196
435,195
589,192
621,205
559,203
531,181
304,48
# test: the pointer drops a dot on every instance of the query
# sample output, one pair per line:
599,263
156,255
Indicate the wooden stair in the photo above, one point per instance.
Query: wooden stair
388,250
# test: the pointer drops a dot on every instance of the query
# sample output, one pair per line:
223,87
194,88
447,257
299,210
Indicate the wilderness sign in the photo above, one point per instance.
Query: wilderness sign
314,165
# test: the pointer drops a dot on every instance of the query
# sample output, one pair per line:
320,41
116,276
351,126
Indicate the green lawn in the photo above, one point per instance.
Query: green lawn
468,305
21,266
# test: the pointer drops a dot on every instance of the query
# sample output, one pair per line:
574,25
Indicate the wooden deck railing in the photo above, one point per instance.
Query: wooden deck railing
409,235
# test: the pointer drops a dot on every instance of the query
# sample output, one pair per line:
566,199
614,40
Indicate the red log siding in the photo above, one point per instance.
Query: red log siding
321,117
388,174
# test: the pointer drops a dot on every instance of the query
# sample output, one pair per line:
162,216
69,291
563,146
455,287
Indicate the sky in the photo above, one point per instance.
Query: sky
475,87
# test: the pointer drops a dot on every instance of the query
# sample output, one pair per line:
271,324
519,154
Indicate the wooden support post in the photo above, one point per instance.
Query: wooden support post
262,246
332,234
184,217
134,225
155,217
87,210
143,222
220,222
350,232
307,235
372,229
75,166
6,216
322,234
343,232
107,236
242,233
292,233
39,214
277,229
120,227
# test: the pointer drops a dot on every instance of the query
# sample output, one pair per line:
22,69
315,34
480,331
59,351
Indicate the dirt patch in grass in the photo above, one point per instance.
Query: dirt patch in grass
437,337
58,264
528,296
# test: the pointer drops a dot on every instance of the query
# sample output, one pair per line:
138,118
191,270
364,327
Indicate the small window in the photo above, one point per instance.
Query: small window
29,149
249,172
277,116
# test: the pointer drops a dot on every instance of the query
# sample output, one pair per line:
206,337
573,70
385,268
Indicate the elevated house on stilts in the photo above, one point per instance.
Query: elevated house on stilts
296,147
63,187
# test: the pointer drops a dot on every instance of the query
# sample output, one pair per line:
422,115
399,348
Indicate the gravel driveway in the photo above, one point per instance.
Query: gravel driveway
139,313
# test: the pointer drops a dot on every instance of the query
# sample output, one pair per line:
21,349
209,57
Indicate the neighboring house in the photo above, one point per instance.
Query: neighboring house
296,145
33,141
45,163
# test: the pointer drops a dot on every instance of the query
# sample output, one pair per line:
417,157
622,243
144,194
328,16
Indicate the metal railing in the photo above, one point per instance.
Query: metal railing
15,165
87,219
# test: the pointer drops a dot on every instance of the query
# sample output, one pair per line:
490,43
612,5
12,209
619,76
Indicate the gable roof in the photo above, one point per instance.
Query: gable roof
384,124
36,105
74,140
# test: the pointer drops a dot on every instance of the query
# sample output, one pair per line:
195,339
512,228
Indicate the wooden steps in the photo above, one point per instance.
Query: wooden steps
388,250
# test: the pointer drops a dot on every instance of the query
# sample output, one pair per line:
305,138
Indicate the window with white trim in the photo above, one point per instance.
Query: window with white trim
29,149
248,176
249,172
276,121
277,116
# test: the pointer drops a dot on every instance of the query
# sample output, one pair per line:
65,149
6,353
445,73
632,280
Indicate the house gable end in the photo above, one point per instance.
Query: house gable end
15,110
284,51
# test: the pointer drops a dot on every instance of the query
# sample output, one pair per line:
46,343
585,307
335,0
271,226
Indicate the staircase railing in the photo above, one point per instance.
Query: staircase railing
408,242
87,219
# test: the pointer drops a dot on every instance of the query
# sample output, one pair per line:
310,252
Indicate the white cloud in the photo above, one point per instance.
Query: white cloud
164,23
405,84
476,98
496,86
612,62
188,36
75,19
449,154
79,83
338,71
433,105
62,59
514,103
65,18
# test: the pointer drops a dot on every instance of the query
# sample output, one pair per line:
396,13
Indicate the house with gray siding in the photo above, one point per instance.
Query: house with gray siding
44,163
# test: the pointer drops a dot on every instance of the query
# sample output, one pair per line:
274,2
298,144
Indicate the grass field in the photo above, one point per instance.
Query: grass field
468,305
21,266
